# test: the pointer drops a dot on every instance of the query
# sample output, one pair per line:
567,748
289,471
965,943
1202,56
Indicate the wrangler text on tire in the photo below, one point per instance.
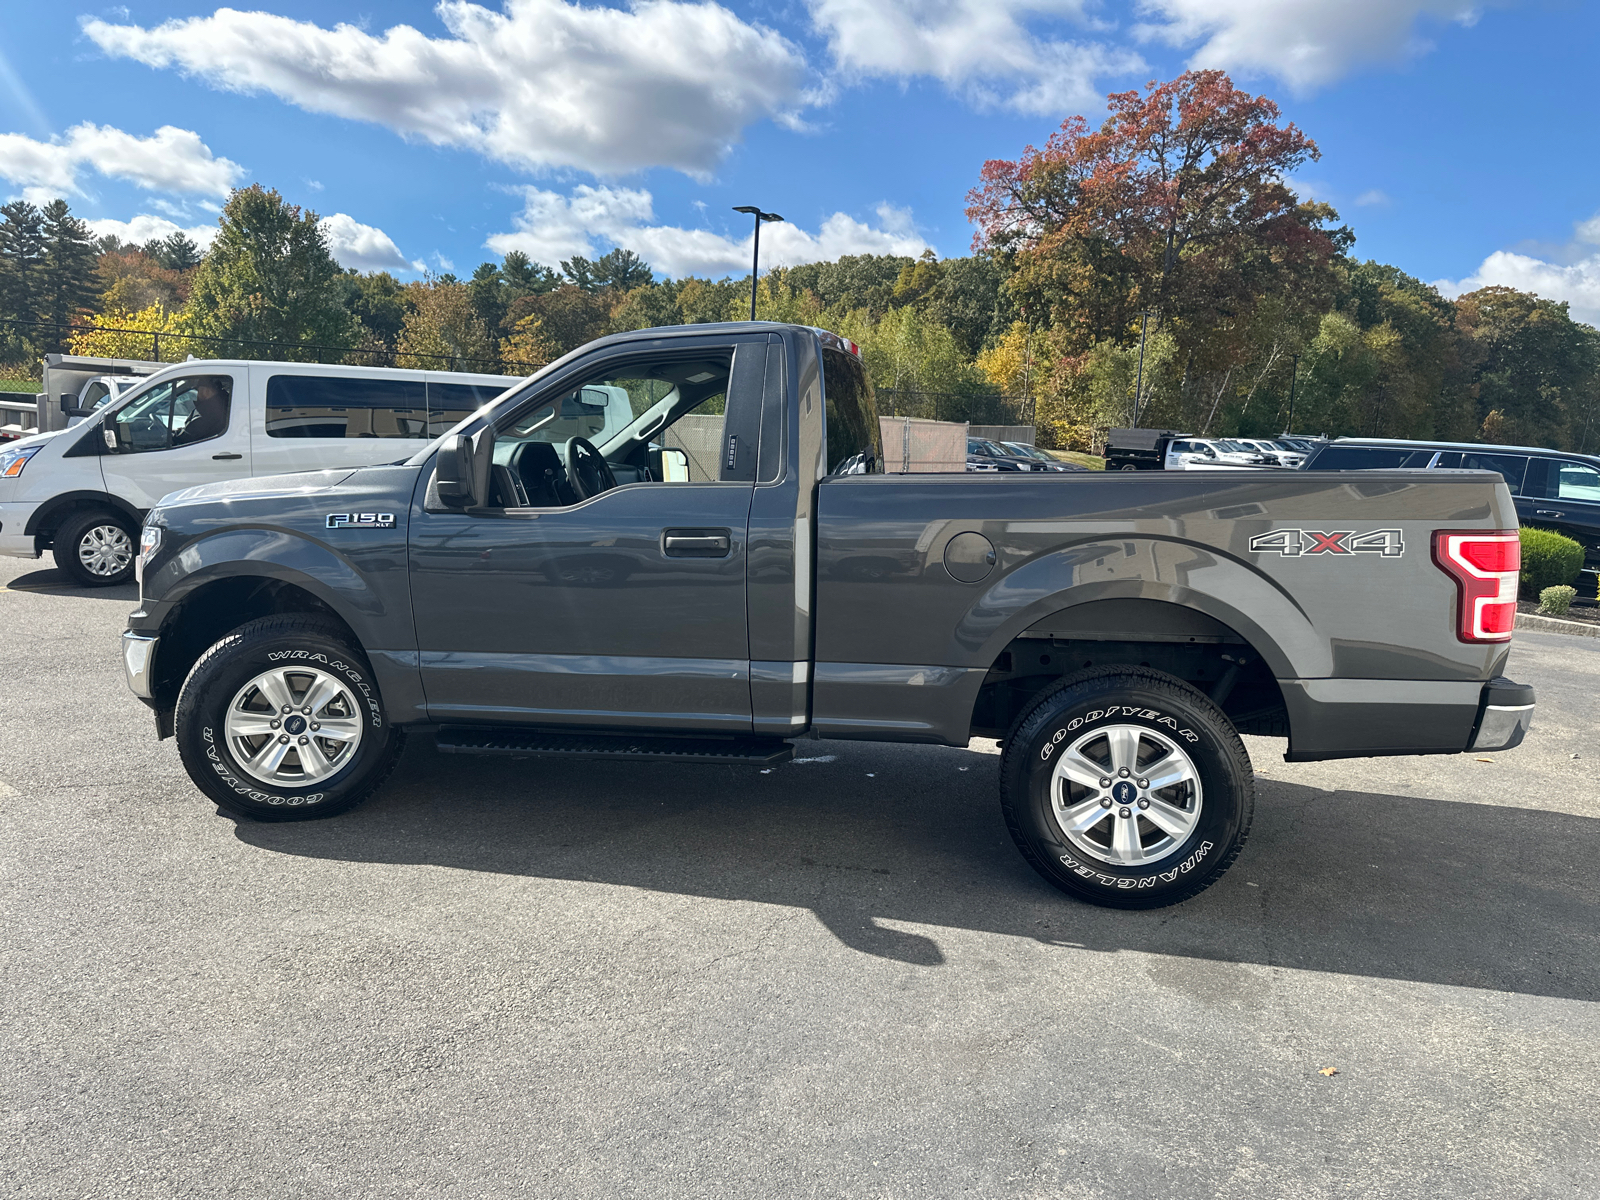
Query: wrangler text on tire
281,720
1126,787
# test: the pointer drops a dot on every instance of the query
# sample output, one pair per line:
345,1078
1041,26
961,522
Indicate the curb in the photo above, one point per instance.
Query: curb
1535,623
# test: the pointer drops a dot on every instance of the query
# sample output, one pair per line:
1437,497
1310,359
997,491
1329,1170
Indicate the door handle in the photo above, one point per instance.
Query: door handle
227,456
696,543
1547,512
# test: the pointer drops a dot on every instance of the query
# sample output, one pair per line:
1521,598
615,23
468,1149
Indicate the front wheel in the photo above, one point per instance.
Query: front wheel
281,721
1127,788
97,548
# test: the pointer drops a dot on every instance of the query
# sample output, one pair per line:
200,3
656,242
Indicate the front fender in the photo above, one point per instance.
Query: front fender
365,585
1141,567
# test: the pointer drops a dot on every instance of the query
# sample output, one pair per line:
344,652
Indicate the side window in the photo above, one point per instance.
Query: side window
177,412
1510,467
1577,481
655,421
334,406
855,443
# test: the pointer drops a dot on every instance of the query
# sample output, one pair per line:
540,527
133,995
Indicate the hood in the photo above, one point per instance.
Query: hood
37,439
262,487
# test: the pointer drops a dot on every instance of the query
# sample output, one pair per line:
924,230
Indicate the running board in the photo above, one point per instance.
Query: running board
545,743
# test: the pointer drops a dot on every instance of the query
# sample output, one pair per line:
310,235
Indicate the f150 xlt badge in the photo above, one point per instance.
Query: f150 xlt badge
1297,543
360,520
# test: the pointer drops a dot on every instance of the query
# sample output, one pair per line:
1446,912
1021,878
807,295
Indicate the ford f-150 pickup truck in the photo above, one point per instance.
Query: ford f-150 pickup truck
732,570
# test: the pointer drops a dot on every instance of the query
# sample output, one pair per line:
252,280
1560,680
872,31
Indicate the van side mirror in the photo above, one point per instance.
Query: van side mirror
461,470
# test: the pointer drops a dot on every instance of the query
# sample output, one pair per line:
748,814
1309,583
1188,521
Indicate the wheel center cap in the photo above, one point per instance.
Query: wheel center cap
295,725
1124,792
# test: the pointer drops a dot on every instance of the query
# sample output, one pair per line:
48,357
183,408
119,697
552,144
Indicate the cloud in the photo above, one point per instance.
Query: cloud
982,49
145,228
1577,282
363,247
552,227
1371,198
1305,43
172,160
545,83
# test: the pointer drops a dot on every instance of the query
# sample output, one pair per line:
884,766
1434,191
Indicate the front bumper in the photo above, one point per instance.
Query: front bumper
13,520
1504,716
139,663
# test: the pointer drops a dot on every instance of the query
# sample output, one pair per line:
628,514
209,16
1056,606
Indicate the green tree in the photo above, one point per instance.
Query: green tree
620,269
378,302
269,277
442,332
66,279
21,260
176,252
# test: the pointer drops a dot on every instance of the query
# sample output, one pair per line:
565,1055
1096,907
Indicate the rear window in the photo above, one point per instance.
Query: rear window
1367,458
333,406
851,417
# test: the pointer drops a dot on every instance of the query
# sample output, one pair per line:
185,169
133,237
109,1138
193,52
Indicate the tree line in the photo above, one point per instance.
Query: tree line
1155,269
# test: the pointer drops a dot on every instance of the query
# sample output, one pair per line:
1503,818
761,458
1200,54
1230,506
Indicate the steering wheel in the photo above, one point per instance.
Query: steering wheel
588,473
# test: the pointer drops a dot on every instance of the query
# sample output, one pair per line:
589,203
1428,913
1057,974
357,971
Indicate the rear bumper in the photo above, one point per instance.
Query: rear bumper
1366,718
1505,716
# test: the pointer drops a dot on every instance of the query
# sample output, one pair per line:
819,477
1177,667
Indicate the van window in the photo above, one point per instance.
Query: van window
1367,458
850,416
1577,481
451,403
1510,467
333,406
177,412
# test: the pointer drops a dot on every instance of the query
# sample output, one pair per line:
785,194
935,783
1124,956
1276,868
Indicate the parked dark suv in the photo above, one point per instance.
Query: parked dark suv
1552,488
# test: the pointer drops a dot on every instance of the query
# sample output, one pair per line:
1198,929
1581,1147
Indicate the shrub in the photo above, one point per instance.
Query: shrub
1556,600
1548,559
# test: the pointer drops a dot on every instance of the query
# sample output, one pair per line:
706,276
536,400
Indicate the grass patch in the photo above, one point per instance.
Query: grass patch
19,385
1093,461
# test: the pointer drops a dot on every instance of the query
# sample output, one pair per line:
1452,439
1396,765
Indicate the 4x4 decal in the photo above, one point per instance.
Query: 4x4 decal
1297,543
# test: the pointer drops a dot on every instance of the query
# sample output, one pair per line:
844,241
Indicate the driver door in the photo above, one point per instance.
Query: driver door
622,609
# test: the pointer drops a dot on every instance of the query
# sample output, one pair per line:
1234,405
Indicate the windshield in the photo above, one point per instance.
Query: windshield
1233,447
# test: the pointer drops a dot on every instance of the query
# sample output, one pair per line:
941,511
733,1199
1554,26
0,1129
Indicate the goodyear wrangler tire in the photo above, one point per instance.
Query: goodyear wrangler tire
281,721
1127,788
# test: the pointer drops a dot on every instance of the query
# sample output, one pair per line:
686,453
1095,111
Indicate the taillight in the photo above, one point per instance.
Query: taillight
1485,565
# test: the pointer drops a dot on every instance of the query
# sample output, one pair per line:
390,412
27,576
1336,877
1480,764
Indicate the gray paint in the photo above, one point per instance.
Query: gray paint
576,616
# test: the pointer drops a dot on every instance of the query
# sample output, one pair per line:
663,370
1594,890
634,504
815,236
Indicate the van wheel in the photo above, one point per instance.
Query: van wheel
281,721
1126,787
97,548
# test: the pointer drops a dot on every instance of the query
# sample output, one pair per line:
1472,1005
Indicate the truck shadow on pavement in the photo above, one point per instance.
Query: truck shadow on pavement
1398,887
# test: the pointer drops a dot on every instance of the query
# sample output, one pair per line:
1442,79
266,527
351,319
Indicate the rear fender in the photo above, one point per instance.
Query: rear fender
1235,593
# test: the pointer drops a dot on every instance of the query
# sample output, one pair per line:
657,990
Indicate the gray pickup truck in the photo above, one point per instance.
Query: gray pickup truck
730,570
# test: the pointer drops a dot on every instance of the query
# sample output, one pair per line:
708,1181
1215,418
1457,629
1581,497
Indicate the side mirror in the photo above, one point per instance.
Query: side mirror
674,465
77,411
461,471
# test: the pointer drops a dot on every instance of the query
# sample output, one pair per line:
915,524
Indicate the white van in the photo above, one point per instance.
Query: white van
83,492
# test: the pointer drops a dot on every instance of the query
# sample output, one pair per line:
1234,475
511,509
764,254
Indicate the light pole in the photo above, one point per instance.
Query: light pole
1294,378
755,258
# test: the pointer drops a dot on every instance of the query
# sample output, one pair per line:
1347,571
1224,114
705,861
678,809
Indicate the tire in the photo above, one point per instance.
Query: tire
1127,467
335,755
97,548
1152,846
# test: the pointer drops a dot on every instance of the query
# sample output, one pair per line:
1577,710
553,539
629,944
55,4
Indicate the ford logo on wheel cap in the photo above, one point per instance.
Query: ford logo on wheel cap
1124,792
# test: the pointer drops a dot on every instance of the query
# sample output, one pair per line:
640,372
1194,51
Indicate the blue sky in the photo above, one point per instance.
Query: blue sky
1458,142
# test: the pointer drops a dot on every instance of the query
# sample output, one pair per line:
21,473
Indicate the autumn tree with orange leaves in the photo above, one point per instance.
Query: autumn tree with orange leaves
1176,207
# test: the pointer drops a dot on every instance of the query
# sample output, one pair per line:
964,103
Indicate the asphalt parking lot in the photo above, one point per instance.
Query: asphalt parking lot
514,978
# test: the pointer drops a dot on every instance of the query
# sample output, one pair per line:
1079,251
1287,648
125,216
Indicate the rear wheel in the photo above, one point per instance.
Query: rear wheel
97,548
281,721
1128,788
